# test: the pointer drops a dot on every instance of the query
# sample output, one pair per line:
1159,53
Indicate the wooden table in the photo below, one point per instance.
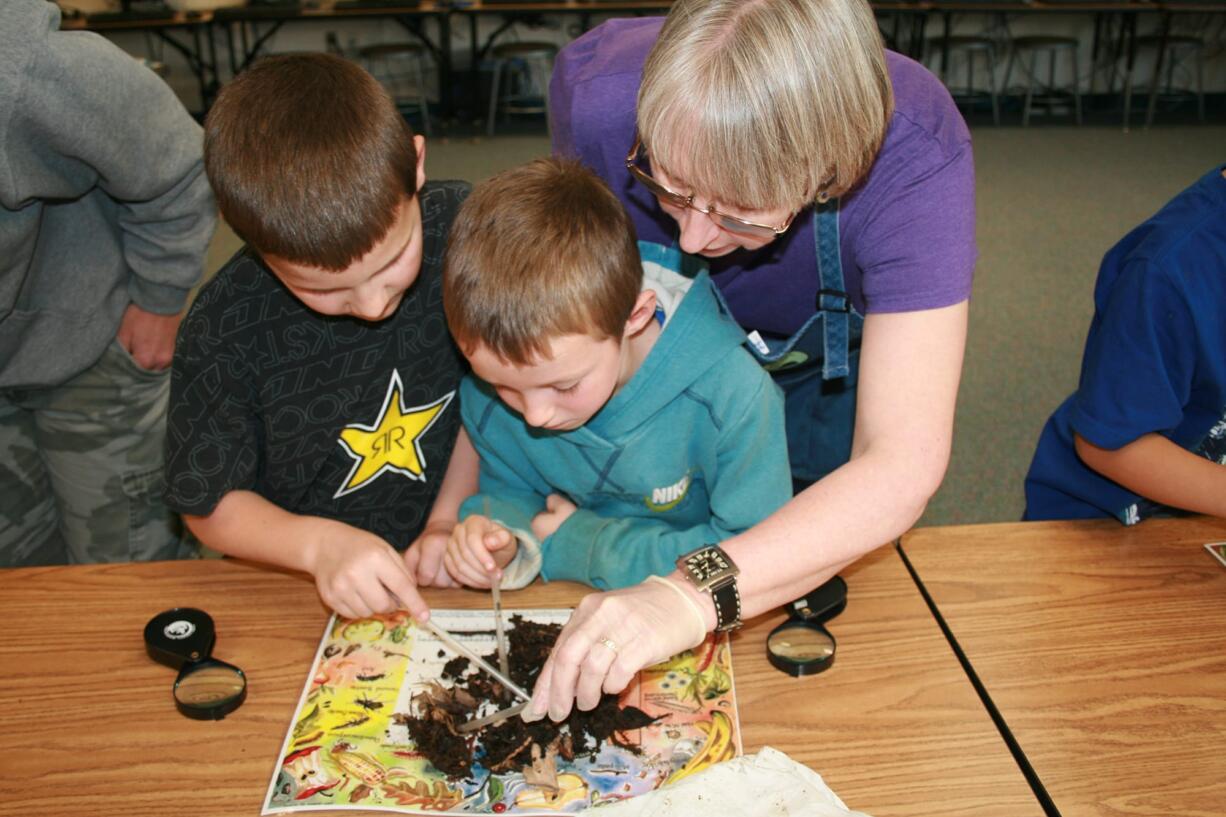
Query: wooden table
89,727
1103,649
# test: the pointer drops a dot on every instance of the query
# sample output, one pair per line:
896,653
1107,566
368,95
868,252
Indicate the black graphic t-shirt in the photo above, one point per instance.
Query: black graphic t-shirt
321,415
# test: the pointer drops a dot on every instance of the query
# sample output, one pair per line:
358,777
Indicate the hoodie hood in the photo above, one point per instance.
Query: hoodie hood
698,335
691,450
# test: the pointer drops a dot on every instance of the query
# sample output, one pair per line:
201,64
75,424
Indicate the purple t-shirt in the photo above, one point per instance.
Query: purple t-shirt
907,233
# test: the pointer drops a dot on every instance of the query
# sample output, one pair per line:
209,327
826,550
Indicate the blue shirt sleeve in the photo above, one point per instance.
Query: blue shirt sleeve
1137,371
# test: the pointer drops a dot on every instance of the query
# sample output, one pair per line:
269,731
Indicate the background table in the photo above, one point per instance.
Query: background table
189,33
89,726
1102,647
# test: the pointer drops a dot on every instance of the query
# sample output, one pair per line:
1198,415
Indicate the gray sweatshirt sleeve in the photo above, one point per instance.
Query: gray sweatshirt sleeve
93,117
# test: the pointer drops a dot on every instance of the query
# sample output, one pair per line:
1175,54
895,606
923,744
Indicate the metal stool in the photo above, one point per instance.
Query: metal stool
400,67
1036,47
527,67
1195,46
971,46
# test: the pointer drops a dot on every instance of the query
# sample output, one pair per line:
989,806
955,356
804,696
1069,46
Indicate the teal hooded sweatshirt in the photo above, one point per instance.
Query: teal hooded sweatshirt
690,451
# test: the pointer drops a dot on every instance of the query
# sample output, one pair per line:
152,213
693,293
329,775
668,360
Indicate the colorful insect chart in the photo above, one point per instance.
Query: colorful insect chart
345,750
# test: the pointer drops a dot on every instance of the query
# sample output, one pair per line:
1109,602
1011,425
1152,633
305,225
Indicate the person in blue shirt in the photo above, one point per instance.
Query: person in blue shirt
619,420
1145,432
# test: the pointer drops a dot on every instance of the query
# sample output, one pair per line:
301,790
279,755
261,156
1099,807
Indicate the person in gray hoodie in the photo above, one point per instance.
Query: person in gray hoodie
105,216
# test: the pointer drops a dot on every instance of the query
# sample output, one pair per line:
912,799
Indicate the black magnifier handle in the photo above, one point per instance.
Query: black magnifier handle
821,604
181,635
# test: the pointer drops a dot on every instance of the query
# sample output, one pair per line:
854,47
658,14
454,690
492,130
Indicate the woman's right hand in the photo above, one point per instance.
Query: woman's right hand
613,635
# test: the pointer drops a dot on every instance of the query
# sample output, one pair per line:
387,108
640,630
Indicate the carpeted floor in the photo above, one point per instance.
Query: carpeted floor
1051,201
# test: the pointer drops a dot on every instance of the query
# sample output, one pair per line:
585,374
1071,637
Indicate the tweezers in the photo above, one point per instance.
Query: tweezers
450,640
489,720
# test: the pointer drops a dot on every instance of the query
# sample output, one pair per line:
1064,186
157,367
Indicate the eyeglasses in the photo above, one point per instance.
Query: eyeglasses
733,224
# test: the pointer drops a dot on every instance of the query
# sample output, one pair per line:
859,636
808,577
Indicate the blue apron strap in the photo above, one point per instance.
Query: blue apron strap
831,294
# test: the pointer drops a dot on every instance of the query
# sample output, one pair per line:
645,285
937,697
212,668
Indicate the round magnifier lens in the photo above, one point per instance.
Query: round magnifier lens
210,689
800,648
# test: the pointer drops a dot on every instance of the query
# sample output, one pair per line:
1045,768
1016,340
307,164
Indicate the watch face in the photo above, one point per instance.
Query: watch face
707,563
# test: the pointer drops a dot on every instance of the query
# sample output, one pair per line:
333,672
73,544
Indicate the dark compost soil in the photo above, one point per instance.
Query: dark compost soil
511,744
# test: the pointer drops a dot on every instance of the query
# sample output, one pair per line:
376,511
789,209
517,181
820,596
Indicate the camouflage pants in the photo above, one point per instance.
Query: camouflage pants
81,468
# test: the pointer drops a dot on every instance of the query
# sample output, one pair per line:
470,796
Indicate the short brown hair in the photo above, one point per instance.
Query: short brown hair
309,158
537,252
766,104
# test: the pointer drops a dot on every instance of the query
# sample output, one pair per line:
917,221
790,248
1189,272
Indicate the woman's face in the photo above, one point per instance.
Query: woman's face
701,235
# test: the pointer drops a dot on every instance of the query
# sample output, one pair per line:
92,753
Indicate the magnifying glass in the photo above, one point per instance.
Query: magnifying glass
183,638
802,645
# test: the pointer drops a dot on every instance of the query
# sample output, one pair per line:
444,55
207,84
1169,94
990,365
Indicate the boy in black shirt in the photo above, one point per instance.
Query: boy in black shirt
313,407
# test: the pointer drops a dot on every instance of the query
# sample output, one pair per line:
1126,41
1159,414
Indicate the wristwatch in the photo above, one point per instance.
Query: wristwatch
711,571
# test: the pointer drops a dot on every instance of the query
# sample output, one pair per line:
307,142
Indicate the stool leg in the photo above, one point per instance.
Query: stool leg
1127,97
1076,88
1034,58
1153,91
420,78
1051,81
1199,52
547,65
990,56
494,86
970,78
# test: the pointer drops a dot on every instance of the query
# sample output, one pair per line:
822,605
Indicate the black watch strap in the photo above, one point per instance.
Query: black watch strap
727,606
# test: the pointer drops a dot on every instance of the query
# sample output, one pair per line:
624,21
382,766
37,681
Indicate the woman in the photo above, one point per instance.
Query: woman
829,186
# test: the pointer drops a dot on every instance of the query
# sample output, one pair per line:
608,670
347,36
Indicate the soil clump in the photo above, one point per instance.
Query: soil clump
511,744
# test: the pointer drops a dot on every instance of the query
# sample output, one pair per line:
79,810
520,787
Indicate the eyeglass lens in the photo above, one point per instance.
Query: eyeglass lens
722,220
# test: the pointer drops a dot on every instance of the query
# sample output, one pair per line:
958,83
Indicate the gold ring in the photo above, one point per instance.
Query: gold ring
610,643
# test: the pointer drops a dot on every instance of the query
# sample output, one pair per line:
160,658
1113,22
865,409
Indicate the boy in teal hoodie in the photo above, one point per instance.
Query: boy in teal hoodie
619,421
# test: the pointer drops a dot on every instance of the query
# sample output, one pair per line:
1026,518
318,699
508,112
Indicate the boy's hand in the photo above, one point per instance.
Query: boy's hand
557,510
358,574
424,557
148,337
478,550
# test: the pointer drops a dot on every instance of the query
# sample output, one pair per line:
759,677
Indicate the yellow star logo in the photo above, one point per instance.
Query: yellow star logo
393,442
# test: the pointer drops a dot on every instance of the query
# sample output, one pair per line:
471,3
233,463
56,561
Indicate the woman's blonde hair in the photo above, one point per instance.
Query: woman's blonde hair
766,104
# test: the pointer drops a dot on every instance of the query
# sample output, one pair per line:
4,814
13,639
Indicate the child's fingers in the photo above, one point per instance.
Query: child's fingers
476,557
443,579
462,573
412,561
346,610
429,562
471,548
496,538
399,584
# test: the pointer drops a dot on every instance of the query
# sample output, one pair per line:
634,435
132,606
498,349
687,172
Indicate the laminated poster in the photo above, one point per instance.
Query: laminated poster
348,745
